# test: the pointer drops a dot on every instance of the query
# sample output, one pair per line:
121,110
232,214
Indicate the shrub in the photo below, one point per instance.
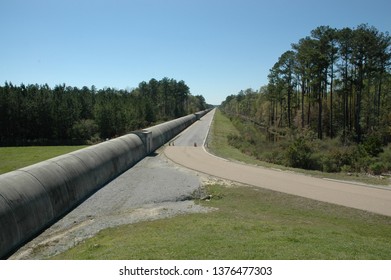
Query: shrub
346,168
299,154
315,162
385,158
373,144
329,164
377,168
360,159
273,156
337,157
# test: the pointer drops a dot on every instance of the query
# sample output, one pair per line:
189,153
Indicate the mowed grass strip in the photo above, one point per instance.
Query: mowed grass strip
218,142
12,158
250,223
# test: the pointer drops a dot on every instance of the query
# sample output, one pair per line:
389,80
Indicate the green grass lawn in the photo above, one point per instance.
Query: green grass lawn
12,158
250,223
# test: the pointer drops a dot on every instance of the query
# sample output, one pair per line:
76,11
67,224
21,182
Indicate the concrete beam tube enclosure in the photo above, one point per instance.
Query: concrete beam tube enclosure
162,133
34,197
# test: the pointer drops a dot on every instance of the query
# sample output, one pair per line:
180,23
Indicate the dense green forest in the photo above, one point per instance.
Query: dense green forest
38,114
327,105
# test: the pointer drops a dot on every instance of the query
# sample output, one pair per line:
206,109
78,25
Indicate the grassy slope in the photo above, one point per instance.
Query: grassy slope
12,158
250,223
217,139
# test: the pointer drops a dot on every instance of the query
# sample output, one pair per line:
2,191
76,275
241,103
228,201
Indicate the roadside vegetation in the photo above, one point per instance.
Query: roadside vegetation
303,150
326,107
224,129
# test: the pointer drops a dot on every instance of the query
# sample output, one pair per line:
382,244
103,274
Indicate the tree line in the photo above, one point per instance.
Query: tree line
38,114
334,84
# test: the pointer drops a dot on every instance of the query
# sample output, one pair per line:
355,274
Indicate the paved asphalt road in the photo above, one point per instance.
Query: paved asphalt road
195,134
369,198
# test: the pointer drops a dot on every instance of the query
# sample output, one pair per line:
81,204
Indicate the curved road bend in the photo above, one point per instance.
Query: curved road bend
377,200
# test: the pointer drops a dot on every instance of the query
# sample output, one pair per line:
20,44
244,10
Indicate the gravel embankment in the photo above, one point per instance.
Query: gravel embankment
155,188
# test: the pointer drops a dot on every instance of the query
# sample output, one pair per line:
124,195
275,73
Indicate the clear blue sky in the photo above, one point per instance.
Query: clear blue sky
218,47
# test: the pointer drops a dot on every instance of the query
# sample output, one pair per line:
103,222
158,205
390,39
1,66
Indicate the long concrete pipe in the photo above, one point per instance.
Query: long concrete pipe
34,197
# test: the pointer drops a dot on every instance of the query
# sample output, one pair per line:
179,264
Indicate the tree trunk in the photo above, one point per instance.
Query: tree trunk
379,99
320,129
331,102
357,124
302,102
289,104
